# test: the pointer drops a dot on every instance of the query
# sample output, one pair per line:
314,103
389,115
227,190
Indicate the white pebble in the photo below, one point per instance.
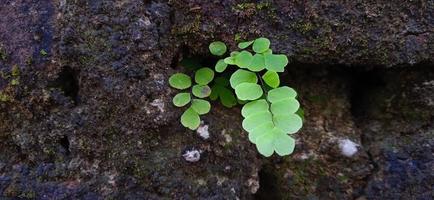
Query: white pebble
203,132
348,147
192,155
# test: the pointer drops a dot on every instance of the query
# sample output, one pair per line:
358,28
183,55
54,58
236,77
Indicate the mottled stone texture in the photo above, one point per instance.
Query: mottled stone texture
85,109
385,33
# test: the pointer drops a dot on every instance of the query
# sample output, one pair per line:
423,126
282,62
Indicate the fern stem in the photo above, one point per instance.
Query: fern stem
266,92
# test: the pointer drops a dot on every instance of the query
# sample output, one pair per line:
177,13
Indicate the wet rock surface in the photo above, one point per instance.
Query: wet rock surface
85,108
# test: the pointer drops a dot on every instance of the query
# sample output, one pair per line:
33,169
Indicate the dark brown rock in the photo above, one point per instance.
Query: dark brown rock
86,113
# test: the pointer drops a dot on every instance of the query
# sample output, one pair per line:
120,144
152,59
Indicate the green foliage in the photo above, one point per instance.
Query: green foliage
190,119
269,115
269,51
15,71
268,121
230,60
43,52
234,53
220,66
227,97
180,81
242,76
223,81
271,112
15,82
217,48
204,76
221,91
281,94
243,59
300,112
243,45
181,99
275,63
261,45
201,91
271,78
3,54
248,91
201,106
4,97
258,63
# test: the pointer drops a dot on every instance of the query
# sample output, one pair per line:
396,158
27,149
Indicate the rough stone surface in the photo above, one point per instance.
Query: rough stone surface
85,108
92,118
318,32
398,130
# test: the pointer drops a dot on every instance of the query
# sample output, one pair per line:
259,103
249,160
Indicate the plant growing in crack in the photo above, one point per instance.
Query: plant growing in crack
271,112
198,106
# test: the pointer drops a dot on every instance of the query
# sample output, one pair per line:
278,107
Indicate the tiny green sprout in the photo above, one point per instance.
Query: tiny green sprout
271,112
43,52
15,82
4,97
237,37
3,54
217,48
15,71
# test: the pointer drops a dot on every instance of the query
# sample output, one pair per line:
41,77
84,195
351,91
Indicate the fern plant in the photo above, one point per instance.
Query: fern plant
271,112
198,106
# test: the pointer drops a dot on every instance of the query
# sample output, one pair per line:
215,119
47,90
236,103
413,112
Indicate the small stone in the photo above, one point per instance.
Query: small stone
253,184
202,130
192,155
159,104
348,148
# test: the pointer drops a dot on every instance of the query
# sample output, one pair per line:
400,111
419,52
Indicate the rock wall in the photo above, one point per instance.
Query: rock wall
85,108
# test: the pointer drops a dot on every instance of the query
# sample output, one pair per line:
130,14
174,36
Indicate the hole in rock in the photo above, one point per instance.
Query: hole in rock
67,81
268,186
64,142
189,61
363,84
